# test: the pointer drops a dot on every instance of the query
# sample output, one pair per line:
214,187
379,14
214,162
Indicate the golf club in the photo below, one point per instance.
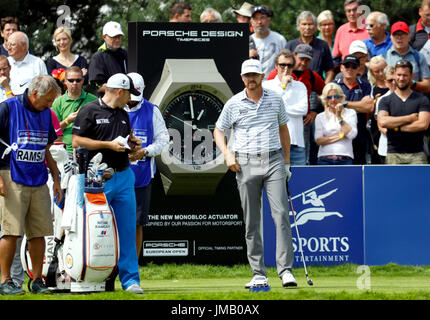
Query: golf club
298,236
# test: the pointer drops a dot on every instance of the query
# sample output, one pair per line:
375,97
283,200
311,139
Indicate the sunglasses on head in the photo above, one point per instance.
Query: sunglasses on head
74,80
336,96
283,65
403,63
350,65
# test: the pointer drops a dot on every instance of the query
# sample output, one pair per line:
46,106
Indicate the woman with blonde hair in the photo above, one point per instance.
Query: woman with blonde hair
57,65
375,75
389,78
326,26
335,128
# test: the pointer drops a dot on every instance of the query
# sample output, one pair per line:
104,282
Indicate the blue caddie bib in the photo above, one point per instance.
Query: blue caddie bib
141,120
30,131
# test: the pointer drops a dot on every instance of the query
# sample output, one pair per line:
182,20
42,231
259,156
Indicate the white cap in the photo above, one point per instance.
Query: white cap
358,46
122,81
112,29
251,66
139,84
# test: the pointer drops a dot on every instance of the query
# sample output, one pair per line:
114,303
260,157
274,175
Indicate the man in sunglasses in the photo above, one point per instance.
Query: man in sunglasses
314,83
357,97
379,41
67,106
295,97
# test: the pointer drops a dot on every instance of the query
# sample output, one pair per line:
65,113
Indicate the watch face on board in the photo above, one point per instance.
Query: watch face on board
190,117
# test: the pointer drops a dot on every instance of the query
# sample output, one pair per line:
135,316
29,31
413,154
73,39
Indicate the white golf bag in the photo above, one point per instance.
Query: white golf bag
86,250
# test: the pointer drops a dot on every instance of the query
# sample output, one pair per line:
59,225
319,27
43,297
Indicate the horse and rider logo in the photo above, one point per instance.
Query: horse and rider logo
317,211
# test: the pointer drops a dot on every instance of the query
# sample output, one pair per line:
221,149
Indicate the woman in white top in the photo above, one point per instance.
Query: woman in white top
335,128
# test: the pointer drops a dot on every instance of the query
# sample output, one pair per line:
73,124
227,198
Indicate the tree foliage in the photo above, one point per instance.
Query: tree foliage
40,18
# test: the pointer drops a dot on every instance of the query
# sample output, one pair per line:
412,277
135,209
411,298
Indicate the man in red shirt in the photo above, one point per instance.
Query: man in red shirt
354,29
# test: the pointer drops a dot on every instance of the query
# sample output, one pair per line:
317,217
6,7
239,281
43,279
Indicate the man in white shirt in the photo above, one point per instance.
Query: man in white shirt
294,95
24,65
269,43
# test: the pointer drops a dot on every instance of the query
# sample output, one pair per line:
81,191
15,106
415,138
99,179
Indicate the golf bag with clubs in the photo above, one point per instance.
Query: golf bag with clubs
84,250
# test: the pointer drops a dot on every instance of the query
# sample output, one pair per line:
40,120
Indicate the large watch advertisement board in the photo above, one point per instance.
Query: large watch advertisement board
190,228
151,43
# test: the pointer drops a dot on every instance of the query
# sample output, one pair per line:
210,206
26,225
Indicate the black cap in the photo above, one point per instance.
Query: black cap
351,59
261,9
133,89
304,51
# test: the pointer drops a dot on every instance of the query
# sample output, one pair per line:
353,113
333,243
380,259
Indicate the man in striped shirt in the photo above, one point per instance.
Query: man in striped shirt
259,122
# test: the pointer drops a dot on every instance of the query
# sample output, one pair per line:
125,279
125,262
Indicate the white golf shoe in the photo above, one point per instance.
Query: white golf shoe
288,280
135,288
257,281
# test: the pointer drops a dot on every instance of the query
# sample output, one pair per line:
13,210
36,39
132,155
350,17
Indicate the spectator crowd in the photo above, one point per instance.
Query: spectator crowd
357,57
323,53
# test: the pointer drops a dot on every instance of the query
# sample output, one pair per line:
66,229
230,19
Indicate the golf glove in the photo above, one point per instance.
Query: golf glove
59,153
288,171
66,169
93,165
64,165
107,174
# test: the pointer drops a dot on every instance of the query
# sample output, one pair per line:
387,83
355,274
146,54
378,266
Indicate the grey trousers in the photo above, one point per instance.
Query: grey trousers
267,173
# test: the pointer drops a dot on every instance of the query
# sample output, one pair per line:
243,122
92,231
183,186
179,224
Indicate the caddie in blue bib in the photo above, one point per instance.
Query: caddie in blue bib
142,121
29,131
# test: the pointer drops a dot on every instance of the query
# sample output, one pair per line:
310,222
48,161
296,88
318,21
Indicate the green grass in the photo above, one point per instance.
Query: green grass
205,282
